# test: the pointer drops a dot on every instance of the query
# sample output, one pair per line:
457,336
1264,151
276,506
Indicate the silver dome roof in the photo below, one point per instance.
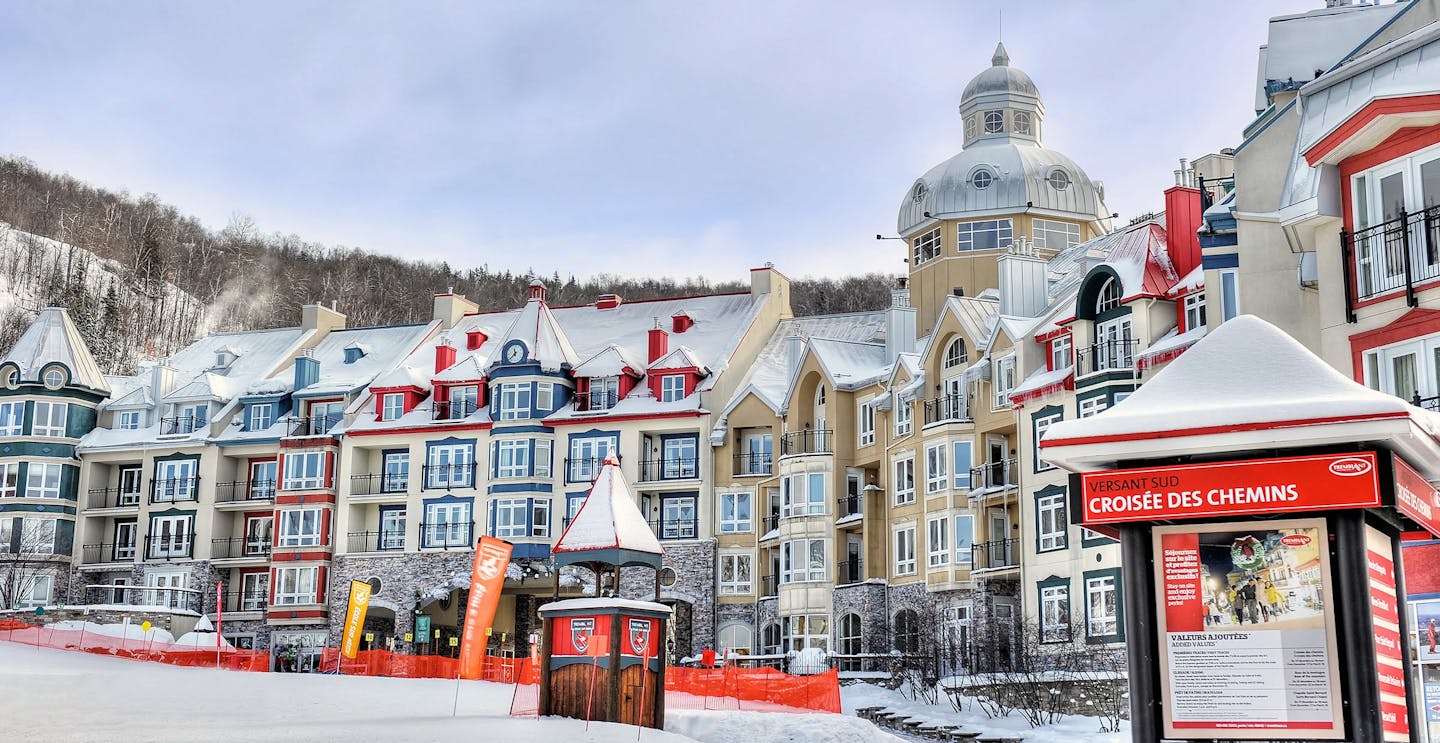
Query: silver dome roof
1000,77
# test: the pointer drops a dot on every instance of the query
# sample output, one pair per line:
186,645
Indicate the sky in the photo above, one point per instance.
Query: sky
634,138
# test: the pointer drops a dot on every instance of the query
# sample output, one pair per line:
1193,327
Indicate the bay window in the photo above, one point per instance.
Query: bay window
295,586
305,470
300,528
802,561
49,419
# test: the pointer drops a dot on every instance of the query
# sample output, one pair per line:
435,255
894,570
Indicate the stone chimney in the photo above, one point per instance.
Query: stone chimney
1022,281
450,307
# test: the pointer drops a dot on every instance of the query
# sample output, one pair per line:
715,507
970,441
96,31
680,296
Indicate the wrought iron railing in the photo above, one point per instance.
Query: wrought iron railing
175,490
245,490
675,529
770,522
313,425
447,535
112,498
849,505
808,441
754,463
850,571
946,409
670,468
230,548
993,555
582,469
596,400
387,540
1392,256
769,586
170,547
1111,355
236,601
439,476
379,483
1004,473
95,554
181,424
454,410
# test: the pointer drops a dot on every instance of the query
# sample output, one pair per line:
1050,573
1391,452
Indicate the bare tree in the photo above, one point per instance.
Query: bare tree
27,557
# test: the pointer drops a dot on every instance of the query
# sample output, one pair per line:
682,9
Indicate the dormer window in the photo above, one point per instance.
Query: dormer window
10,378
982,179
1109,296
994,122
1059,179
54,377
604,393
262,416
392,406
127,420
672,387
1022,123
1060,356
354,353
955,353
463,401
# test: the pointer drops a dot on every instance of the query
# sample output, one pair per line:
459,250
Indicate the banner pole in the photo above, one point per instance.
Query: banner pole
644,672
590,698
456,706
219,618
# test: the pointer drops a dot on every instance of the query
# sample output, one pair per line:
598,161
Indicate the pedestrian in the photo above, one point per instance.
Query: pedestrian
1430,634
1235,607
1274,599
1249,603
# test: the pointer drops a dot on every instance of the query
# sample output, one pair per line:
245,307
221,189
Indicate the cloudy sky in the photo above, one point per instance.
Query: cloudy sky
676,138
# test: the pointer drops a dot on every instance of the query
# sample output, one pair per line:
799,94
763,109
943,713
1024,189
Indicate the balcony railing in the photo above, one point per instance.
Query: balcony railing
670,468
770,523
768,586
175,490
1003,473
596,400
238,547
946,409
675,529
95,554
392,540
181,424
174,598
849,506
454,410
243,601
850,571
173,547
112,498
313,425
1393,256
1000,553
1113,355
1428,403
582,469
808,441
754,463
438,476
241,491
447,535
380,483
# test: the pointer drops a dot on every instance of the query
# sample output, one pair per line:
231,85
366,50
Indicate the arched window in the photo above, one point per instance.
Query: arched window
736,637
907,631
1109,297
770,639
994,122
955,353
1022,123
850,634
820,396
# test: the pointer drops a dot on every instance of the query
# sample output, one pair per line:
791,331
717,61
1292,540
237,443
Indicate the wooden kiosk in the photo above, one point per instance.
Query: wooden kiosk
1259,497
602,658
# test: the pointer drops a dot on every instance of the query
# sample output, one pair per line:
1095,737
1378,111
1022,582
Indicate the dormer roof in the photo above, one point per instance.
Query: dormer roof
610,361
538,329
680,358
53,338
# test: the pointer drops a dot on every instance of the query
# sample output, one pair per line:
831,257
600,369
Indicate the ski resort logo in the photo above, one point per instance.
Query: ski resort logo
489,565
1350,466
639,636
1295,540
580,633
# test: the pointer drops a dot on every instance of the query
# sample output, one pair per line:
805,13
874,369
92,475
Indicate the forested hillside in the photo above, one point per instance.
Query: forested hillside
147,278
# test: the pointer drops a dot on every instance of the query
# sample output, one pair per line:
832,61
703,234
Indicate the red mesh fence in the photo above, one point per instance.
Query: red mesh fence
133,648
398,665
751,689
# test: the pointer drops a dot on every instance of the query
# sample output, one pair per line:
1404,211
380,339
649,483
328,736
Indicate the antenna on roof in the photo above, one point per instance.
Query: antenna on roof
1002,25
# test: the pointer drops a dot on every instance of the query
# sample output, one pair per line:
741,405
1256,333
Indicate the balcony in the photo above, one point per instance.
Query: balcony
1431,404
443,476
582,469
1105,356
1002,474
175,490
850,571
245,491
1392,257
818,441
454,410
175,547
672,468
314,425
754,463
181,424
240,548
768,586
596,401
675,529
447,535
770,523
100,554
112,498
149,596
376,541
850,505
995,555
380,483
238,601
947,409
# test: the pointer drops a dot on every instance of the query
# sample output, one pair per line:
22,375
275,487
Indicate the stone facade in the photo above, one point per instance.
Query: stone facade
692,595
866,599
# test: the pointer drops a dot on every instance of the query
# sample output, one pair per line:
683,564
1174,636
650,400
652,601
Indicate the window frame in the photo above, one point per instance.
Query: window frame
904,485
806,548
300,527
127,420
1045,231
937,468
1054,593
937,542
1052,520
1098,579
298,594
735,524
1041,422
736,586
1193,309
42,487
672,387
392,406
927,246
993,122
255,417
1002,381
968,234
964,553
507,510
12,418
904,417
312,470
448,537
904,558
515,401
865,423
50,428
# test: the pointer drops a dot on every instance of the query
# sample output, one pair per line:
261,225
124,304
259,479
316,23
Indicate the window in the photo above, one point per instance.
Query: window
12,418
1408,370
1229,294
679,459
54,377
964,539
677,517
758,456
515,401
905,551
392,406
1102,606
130,484
807,631
254,591
907,631
542,457
927,246
1114,345
1092,406
512,458
735,513
392,529
262,415
1051,523
802,495
672,387
300,528
904,416
9,480
170,536
867,423
295,586
511,517
323,416
447,525
305,470
1043,423
737,638
125,420
258,530
736,574
37,537
802,560
10,378
1055,613
994,122
1050,234
587,455
990,234
395,472
166,589
1109,297
544,397
1003,380
125,533
850,637
981,179
1059,179
937,470
450,466
955,354
963,461
1022,122
1060,353
904,481
38,593
43,480
1195,311
971,126
49,419
937,546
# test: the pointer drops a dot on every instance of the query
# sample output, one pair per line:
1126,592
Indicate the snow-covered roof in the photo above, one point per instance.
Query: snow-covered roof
1168,347
608,527
392,343
257,353
590,604
1141,261
1191,282
680,358
609,361
1303,45
1042,382
404,375
467,369
851,364
535,325
53,338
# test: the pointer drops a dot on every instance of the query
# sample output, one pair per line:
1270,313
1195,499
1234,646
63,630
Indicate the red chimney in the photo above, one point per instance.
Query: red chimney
473,340
608,301
537,290
681,321
1182,219
444,357
659,343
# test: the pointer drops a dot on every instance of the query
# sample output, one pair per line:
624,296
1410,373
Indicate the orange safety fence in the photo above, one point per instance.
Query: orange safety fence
134,648
728,688
387,663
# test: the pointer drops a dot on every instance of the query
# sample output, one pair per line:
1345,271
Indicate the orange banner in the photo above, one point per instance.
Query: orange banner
487,578
355,617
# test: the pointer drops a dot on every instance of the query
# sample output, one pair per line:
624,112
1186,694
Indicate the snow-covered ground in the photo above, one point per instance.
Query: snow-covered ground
1073,729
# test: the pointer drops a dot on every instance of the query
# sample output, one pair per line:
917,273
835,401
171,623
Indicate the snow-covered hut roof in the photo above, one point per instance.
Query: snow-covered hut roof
609,361
609,527
53,338
1303,44
851,364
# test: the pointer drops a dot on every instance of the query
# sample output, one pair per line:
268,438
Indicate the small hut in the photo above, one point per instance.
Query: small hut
602,658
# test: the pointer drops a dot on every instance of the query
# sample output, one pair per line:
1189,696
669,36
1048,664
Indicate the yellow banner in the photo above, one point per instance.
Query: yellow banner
355,617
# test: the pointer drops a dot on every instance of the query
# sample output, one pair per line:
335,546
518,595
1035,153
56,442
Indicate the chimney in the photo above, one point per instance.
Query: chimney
899,324
767,281
794,349
162,380
444,355
450,307
1022,281
307,370
659,343
681,321
320,317
1182,219
537,290
608,301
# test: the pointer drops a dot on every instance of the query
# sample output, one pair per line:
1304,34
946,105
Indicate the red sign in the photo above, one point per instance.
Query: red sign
581,635
1180,566
1390,660
1416,497
1254,486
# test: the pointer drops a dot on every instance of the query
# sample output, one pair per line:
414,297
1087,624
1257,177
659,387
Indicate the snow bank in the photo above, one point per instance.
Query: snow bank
765,727
807,662
130,631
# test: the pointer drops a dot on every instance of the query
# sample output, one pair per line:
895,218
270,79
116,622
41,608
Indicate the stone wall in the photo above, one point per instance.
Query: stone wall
407,582
694,564
742,613
867,600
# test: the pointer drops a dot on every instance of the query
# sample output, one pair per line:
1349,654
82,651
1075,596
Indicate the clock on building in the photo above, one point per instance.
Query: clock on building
515,352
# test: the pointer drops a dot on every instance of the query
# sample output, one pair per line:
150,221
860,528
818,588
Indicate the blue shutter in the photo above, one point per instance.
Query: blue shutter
962,461
490,518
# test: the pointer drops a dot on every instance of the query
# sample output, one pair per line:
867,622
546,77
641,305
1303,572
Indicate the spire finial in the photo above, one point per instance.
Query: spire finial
1001,58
